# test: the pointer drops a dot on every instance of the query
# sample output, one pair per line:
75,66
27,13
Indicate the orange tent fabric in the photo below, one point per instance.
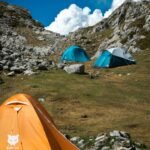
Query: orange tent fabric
25,125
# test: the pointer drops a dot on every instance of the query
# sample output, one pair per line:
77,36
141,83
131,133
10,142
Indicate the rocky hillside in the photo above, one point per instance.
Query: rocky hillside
24,44
128,27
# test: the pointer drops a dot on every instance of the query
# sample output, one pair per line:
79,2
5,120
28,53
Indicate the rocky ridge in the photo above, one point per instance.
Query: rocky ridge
128,27
24,43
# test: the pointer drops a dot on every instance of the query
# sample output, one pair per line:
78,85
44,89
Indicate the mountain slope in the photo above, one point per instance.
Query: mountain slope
24,43
128,27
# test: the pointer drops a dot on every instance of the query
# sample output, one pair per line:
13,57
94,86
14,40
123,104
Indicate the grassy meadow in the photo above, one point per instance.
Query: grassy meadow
117,98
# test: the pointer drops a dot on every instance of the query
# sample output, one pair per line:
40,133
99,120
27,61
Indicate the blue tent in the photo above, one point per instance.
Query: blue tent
114,57
75,54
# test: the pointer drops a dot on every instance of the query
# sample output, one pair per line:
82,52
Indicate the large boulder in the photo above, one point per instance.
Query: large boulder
28,72
75,68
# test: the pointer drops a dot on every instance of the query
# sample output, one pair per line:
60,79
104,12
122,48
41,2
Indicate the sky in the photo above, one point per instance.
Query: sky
64,16
46,10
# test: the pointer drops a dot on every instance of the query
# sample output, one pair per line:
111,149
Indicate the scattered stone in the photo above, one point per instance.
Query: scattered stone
41,99
29,72
115,133
120,75
105,148
81,143
128,74
11,74
74,139
76,68
17,69
91,75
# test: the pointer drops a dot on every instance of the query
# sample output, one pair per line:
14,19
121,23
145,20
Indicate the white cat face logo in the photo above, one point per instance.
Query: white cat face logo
13,139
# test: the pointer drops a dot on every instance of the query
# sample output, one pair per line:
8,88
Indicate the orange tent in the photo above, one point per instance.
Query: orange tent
25,125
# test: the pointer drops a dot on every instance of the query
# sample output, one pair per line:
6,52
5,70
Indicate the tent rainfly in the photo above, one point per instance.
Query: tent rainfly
114,57
26,125
75,54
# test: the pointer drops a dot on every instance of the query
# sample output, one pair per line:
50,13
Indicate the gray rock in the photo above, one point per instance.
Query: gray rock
41,99
5,67
11,74
105,148
3,62
101,138
115,140
81,143
28,72
142,37
76,68
115,133
75,139
17,69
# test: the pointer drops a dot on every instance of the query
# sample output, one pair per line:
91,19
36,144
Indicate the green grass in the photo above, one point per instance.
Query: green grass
112,100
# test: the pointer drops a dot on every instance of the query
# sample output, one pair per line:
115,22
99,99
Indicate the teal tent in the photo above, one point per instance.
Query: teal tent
114,57
75,54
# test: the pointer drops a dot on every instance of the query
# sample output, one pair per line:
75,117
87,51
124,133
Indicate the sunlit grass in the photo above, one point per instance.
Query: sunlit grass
115,98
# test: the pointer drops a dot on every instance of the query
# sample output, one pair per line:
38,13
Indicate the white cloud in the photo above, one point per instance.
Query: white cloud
115,5
74,17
